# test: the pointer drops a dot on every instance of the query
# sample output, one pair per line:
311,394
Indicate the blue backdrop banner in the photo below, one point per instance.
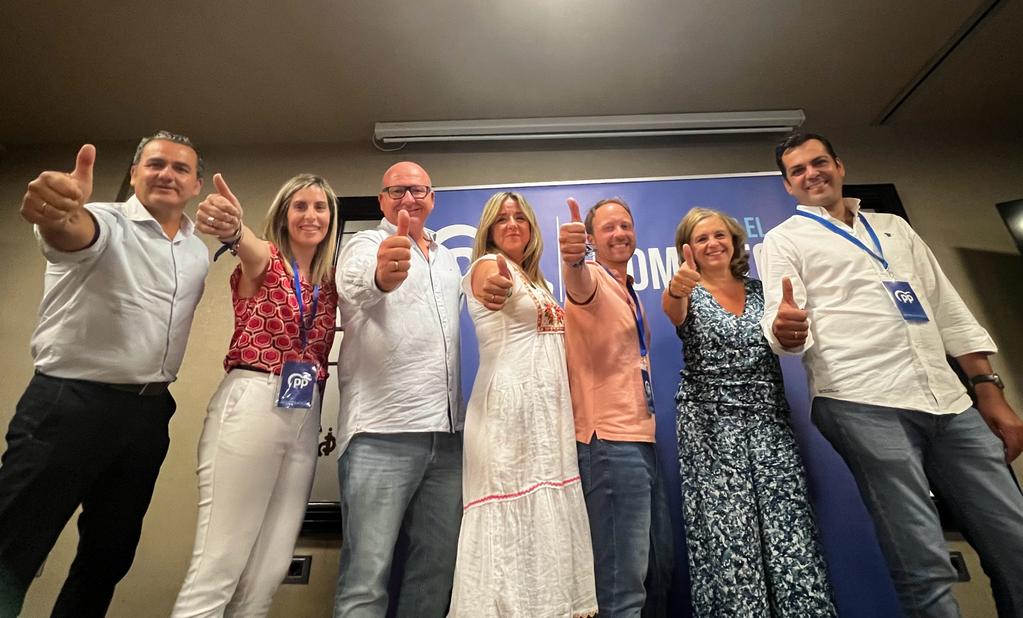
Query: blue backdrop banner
758,202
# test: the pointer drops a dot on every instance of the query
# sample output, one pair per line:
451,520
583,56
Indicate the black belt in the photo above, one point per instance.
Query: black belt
322,383
146,390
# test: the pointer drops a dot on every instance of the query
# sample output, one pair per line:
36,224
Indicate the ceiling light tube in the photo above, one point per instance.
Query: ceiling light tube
590,127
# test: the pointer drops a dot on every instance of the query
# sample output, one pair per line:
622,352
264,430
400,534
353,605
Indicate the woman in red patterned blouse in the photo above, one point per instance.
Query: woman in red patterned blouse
257,452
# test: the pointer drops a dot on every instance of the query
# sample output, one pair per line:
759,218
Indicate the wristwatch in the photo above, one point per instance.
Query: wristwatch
987,377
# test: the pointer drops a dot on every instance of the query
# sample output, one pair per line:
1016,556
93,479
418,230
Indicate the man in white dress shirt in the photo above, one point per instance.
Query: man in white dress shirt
399,425
122,284
862,298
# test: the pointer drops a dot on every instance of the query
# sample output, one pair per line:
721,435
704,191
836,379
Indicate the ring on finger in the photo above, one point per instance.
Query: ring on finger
394,265
211,221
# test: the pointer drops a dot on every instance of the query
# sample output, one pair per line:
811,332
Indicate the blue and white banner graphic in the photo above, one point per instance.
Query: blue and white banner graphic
758,202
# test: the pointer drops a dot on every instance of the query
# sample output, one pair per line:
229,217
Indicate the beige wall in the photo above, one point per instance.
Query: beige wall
948,187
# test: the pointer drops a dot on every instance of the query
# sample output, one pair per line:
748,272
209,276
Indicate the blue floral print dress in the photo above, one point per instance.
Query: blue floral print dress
753,544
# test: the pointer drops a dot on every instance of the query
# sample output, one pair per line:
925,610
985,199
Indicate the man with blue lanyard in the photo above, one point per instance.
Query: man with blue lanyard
863,299
122,283
607,342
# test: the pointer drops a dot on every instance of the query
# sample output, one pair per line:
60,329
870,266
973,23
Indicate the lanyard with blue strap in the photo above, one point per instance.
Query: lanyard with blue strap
298,377
879,255
901,292
648,389
303,326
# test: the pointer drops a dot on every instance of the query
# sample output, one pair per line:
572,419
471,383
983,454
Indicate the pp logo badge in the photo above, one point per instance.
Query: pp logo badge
906,301
298,385
299,380
904,297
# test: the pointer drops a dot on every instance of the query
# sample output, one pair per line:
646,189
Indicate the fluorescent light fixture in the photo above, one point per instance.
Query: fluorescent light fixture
589,127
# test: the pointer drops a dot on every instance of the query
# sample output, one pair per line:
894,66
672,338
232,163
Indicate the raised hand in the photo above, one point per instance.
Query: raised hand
572,237
54,198
394,257
686,277
220,214
497,287
791,323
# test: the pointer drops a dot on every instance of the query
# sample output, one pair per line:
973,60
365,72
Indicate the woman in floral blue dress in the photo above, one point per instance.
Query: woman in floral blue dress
753,546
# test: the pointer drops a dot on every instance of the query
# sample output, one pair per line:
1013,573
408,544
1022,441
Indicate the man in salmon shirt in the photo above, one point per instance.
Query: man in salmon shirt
607,340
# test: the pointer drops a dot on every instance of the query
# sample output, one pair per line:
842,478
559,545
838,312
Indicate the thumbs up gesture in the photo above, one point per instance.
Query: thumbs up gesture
497,287
791,323
572,237
220,214
394,257
54,198
686,278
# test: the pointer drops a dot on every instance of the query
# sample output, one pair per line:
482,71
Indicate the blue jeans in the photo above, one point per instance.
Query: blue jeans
633,553
896,456
391,484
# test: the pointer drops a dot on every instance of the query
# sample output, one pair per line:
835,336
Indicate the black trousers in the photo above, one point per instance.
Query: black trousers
73,443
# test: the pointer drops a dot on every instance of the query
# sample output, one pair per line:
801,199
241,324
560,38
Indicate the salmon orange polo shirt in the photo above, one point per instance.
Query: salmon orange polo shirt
604,365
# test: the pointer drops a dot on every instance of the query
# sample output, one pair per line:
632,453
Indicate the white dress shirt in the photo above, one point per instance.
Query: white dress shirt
120,311
398,370
860,348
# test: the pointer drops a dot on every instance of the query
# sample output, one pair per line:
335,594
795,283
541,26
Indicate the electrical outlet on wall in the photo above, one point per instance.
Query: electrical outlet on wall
959,563
298,571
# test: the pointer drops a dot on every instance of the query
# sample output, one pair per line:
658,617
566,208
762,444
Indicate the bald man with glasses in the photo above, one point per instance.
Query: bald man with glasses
400,418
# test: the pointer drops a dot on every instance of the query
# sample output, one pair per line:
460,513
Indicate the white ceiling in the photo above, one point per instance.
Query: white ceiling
238,71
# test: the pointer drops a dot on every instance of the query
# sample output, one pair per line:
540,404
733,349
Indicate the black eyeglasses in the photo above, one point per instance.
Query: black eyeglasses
396,192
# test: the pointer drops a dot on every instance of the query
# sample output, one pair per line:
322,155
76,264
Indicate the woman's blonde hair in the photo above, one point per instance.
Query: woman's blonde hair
275,229
739,264
484,242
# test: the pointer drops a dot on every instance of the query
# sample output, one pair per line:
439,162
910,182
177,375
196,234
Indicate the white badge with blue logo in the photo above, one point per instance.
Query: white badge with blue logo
298,384
906,300
298,378
648,390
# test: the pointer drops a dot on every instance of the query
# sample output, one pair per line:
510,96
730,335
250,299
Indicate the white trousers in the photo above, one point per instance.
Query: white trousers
256,465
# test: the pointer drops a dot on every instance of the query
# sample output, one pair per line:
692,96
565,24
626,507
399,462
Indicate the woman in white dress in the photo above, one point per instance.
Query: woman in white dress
524,547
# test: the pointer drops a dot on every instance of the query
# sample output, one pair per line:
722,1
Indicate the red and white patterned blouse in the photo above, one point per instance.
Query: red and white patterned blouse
266,332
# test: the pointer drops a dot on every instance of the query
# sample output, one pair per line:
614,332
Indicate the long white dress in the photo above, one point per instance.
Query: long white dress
524,548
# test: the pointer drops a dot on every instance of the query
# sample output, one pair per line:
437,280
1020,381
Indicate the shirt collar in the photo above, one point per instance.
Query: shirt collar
628,278
134,210
852,203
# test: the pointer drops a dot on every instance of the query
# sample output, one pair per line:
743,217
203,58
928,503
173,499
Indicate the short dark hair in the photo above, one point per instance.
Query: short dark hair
200,166
592,211
796,140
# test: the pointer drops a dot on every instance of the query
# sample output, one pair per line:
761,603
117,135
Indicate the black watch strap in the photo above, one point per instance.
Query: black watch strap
987,377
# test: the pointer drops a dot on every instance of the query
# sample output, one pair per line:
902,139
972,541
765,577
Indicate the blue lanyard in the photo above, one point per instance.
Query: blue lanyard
303,327
879,256
640,329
